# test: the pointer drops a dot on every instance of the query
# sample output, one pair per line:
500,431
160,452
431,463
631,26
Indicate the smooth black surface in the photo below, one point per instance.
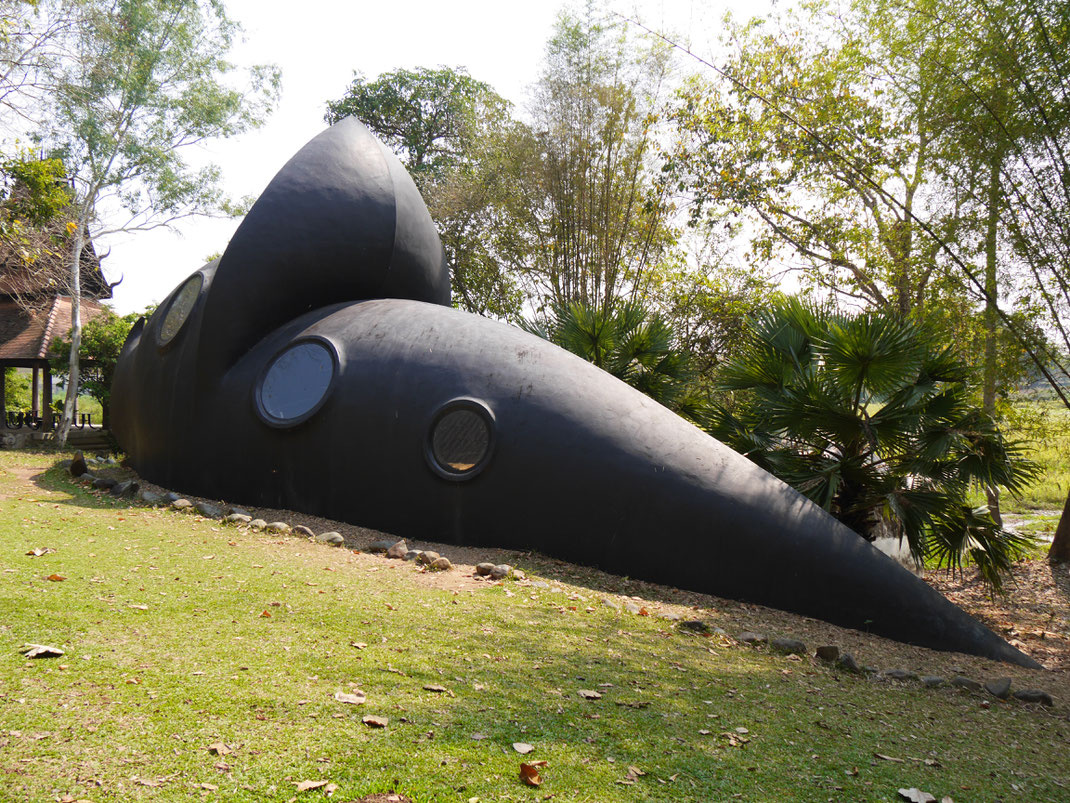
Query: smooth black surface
442,425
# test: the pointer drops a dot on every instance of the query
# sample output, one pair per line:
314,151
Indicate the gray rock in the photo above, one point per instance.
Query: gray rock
541,584
847,663
484,568
828,652
609,603
398,551
631,608
300,529
428,557
182,504
105,483
150,497
237,518
78,466
999,687
170,496
673,616
258,524
332,538
208,510
231,510
14,440
381,546
746,637
965,683
65,464
110,461
87,478
441,564
1034,696
280,527
933,681
501,571
125,488
412,554
695,626
788,645
898,674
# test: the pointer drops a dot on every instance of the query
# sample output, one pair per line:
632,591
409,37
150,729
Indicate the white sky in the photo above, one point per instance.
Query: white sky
319,44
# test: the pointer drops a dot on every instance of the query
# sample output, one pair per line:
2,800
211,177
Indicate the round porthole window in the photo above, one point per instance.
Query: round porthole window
461,439
296,382
180,308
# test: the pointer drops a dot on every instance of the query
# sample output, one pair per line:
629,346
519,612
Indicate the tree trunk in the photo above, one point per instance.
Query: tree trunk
70,401
1060,544
991,317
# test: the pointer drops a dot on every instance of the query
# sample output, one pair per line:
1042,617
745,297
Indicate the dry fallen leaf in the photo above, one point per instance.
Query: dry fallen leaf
209,787
915,795
40,651
360,645
530,775
265,614
375,722
56,578
305,786
589,694
434,687
889,758
356,698
523,748
37,552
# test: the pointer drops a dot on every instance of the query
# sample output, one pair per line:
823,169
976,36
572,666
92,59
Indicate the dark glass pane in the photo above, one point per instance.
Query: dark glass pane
460,441
180,308
297,380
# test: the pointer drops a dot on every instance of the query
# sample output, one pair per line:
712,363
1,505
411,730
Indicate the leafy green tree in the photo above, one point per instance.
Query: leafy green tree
833,163
869,417
139,81
428,117
446,128
102,340
631,343
16,390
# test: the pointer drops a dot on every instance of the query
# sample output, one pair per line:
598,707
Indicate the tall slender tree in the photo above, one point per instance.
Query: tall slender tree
594,220
140,81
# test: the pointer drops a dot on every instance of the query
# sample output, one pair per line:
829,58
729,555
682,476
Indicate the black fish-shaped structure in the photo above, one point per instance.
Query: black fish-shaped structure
317,366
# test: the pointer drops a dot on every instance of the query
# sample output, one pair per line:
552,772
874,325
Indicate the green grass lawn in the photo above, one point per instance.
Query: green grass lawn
182,633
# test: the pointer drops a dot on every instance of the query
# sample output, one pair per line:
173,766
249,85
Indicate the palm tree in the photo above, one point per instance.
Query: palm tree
871,419
633,344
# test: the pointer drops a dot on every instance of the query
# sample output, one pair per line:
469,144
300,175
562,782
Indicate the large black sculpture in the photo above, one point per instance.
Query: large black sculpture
317,366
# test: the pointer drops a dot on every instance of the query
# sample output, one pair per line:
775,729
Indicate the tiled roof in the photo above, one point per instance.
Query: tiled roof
28,335
50,272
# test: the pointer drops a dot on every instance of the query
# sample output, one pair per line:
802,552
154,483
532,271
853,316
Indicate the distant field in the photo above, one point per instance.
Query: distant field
1045,426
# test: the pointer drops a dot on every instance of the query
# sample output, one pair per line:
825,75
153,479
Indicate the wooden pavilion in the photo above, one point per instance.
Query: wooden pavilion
35,309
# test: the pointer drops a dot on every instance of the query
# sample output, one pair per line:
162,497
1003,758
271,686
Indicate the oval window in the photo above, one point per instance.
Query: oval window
180,308
461,439
296,382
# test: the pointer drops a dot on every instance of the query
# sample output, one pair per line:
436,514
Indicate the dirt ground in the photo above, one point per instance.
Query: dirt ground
1034,614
